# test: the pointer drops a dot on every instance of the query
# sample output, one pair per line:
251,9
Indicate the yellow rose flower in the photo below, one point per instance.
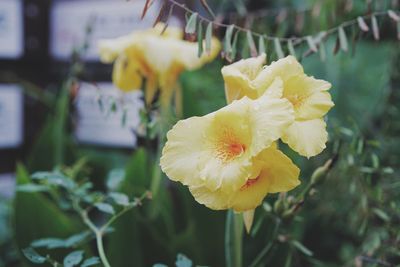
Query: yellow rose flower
158,56
228,158
309,96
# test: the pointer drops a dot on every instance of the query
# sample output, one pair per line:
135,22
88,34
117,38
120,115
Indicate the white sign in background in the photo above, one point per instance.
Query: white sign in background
11,116
102,127
110,18
11,29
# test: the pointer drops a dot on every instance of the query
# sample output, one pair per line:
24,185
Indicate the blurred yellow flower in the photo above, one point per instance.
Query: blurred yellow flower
309,96
155,55
220,152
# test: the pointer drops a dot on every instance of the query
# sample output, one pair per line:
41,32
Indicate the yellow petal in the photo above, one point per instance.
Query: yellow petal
308,96
151,88
239,76
278,174
126,74
221,145
284,68
110,49
270,118
216,200
168,32
185,152
308,138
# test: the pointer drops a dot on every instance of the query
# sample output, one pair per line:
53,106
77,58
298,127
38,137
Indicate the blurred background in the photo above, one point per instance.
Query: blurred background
351,219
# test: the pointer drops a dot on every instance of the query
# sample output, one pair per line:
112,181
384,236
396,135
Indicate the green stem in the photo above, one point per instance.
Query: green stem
100,249
233,239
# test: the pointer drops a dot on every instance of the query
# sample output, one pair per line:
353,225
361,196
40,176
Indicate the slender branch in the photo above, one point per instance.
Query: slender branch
296,40
100,248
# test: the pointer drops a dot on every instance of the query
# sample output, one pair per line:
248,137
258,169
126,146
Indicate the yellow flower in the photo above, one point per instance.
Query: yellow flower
309,96
217,151
158,56
278,174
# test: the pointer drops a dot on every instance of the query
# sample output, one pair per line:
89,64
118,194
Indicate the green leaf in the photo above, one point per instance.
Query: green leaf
200,39
362,24
191,24
31,188
33,256
302,248
228,39
90,262
75,240
278,48
291,48
183,261
104,207
343,40
394,15
398,30
252,45
311,44
381,214
261,45
160,265
44,217
120,198
234,45
375,28
73,258
114,178
49,243
209,31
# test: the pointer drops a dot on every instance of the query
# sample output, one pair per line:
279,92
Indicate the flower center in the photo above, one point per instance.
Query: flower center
229,147
249,183
296,100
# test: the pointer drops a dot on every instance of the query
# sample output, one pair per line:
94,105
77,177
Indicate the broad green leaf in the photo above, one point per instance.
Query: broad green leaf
199,39
191,24
291,48
104,207
375,28
302,248
120,198
31,188
252,45
33,256
90,262
183,261
278,48
362,24
209,31
311,44
73,259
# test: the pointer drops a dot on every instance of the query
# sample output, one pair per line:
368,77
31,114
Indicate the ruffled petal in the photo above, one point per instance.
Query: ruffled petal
185,153
239,76
308,138
216,200
284,68
308,96
278,174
